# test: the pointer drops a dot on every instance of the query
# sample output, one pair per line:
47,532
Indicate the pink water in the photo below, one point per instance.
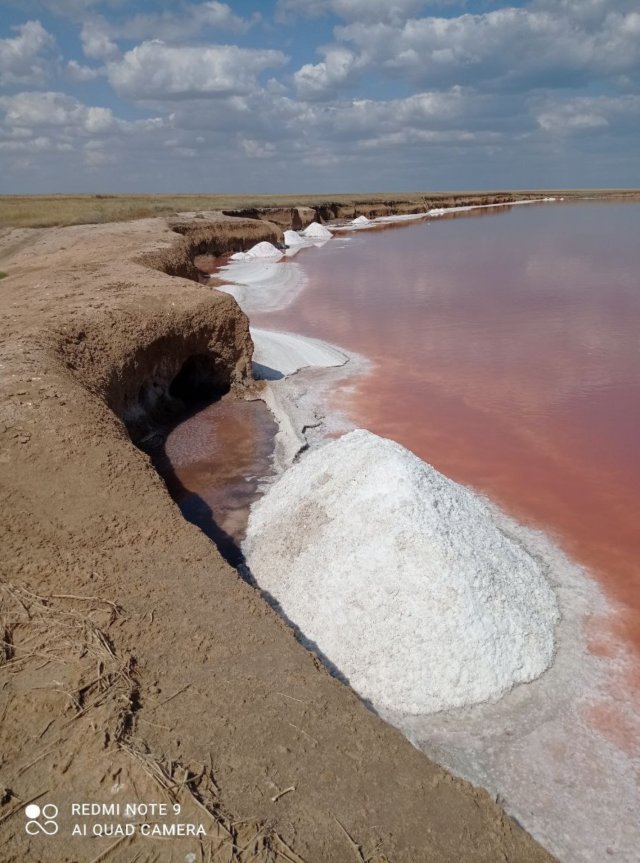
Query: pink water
506,353
212,462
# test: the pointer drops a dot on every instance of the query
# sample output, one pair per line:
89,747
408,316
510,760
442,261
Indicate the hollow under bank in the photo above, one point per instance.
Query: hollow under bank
214,460
147,374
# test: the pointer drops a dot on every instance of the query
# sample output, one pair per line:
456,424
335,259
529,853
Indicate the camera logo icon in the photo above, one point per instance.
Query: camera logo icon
41,820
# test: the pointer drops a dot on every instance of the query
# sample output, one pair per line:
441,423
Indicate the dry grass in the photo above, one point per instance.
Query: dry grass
68,632
56,210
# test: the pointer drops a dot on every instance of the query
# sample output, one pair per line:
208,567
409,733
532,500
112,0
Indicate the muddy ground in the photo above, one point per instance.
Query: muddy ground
135,664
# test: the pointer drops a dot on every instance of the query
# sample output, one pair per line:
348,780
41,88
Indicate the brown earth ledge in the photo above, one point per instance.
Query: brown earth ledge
135,663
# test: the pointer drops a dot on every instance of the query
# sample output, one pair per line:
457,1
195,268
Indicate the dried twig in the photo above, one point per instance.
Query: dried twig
356,848
280,794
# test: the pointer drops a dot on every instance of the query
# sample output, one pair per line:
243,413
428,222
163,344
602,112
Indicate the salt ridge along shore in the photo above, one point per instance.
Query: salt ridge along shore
363,223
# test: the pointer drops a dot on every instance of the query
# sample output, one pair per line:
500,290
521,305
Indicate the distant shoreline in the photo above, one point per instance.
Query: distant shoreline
42,211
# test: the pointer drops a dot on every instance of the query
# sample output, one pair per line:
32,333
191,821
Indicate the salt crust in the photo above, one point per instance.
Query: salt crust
277,354
401,578
262,285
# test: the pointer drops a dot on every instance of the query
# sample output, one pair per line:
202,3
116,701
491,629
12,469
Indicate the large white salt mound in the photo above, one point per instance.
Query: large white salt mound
403,580
316,231
260,250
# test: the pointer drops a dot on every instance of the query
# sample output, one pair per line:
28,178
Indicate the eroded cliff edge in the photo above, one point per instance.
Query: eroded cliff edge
136,664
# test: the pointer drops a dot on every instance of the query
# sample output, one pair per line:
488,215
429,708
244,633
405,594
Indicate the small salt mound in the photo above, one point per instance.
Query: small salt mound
316,231
403,580
292,238
261,250
361,220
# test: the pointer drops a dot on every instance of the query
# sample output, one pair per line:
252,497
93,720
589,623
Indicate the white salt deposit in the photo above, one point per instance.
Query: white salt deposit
361,220
316,231
293,238
277,355
260,250
443,211
262,285
401,578
406,217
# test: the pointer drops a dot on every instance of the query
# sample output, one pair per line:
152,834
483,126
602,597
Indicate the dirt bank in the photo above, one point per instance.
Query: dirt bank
135,664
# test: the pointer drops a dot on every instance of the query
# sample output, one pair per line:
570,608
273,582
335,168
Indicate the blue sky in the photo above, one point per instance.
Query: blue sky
298,96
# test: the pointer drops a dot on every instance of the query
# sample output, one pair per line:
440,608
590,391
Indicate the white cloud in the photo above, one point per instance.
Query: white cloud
154,70
100,36
258,149
546,45
38,110
588,113
188,21
78,72
41,144
323,80
486,99
97,43
23,58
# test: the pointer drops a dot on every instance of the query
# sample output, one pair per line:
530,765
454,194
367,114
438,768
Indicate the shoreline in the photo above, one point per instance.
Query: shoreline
205,689
205,686
573,673
268,284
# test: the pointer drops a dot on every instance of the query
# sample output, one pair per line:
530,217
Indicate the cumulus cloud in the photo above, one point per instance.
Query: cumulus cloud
323,80
97,43
188,21
38,110
589,113
55,135
24,58
77,72
100,36
521,47
154,70
400,96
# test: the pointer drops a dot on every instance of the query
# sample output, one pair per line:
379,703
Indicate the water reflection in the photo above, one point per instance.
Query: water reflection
213,461
507,354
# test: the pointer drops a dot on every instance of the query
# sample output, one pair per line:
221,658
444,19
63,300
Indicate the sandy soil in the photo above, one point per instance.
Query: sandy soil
136,665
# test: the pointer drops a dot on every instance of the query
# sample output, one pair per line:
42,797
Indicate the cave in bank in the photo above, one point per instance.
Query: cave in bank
212,448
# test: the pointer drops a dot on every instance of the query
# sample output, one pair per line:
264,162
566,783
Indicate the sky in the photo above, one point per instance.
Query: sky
304,96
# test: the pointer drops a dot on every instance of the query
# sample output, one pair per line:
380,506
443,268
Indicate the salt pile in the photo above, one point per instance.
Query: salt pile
361,220
261,250
292,238
403,580
316,231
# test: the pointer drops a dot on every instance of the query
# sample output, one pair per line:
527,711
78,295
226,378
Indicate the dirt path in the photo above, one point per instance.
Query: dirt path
135,665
